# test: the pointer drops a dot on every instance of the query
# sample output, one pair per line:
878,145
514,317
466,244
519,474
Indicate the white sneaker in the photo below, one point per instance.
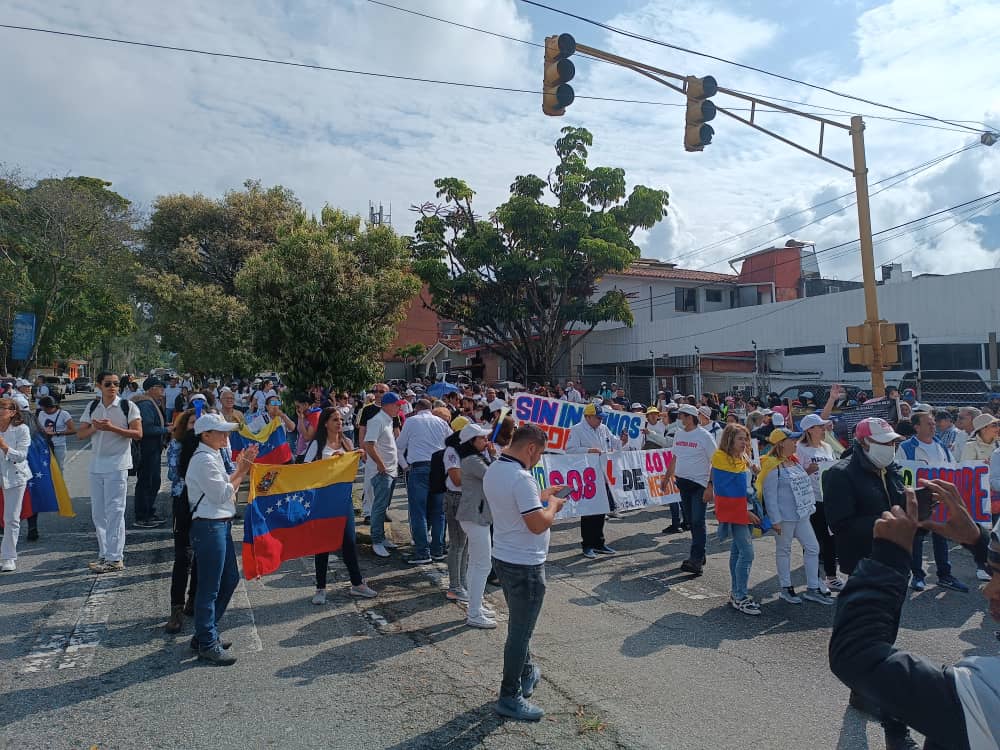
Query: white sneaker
834,583
319,597
488,611
380,550
482,622
983,575
8,566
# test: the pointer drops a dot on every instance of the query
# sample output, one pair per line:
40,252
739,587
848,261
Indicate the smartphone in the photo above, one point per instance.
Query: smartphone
564,492
925,503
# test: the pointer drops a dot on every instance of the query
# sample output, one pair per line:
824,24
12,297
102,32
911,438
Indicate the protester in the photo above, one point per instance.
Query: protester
983,441
380,446
693,448
41,390
446,480
306,420
113,423
15,439
815,453
422,435
966,415
788,496
731,476
521,526
148,475
473,514
212,500
56,424
329,440
184,568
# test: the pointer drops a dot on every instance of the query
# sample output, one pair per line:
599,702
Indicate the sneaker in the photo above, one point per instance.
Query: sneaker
380,550
746,605
900,739
389,544
439,558
981,574
482,622
8,566
529,683
111,566
176,621
589,554
487,610
692,566
216,655
419,560
834,584
33,535
673,529
685,527
154,520
917,584
364,591
226,645
614,514
141,523
789,595
319,597
604,550
97,564
950,582
518,708
817,597
460,595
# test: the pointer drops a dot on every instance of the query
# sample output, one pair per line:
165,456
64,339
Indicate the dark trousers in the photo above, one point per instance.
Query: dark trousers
693,507
349,554
185,570
592,531
147,479
827,548
524,589
942,562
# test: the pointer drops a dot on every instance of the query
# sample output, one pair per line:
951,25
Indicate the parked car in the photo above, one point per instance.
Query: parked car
56,386
83,385
820,392
948,387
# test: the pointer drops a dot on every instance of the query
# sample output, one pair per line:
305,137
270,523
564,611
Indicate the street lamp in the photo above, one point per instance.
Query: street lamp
652,380
755,367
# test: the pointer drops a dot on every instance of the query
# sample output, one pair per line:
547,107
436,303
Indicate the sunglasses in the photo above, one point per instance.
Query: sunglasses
274,403
110,384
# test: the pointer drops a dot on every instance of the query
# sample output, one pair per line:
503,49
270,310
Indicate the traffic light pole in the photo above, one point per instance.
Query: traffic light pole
872,320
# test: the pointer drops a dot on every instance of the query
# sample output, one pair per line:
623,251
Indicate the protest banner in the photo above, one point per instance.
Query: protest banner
845,422
635,479
972,479
556,417
581,472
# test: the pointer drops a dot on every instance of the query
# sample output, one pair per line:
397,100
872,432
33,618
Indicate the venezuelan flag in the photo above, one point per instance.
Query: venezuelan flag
729,484
46,492
273,442
296,510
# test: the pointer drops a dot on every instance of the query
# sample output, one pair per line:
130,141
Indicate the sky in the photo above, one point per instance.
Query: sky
156,122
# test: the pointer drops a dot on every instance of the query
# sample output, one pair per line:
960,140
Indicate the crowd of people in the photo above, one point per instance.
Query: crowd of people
472,500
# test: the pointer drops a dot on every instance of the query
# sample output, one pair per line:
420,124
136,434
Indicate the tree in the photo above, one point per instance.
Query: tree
194,248
332,295
70,242
410,353
523,280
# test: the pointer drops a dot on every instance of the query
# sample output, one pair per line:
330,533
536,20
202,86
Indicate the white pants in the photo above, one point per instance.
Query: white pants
108,491
801,530
13,497
480,551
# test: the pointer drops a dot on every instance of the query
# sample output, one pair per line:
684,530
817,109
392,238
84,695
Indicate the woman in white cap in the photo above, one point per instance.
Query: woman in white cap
473,514
983,442
212,500
787,492
814,452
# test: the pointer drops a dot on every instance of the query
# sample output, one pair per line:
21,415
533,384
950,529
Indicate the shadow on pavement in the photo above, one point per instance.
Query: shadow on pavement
853,731
464,732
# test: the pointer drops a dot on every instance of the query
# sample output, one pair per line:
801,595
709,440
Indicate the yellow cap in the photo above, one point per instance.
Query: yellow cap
458,423
590,410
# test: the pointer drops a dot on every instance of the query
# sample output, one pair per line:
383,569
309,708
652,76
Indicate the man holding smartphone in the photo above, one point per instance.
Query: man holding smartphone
521,524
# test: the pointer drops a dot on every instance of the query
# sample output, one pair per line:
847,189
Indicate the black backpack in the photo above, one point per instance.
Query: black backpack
183,512
133,444
436,484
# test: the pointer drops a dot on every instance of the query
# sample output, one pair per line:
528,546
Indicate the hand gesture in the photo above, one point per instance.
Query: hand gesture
250,454
837,391
897,525
959,527
812,468
548,494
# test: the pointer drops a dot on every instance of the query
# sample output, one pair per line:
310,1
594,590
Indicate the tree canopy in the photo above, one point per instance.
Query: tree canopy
522,281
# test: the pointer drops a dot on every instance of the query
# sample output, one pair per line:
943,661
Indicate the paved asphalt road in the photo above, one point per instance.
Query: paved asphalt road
634,654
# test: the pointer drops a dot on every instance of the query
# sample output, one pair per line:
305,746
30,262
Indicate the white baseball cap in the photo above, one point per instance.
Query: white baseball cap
213,422
812,420
689,410
777,419
472,431
876,429
706,411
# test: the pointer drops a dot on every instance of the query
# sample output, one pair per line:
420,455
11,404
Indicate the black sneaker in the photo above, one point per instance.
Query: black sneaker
673,529
225,644
154,520
692,566
142,523
216,655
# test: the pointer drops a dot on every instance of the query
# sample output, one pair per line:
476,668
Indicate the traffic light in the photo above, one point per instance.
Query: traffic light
557,94
697,132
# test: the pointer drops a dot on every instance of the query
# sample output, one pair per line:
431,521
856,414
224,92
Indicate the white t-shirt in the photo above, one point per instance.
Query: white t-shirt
694,450
170,393
262,397
40,392
451,461
109,451
512,493
927,453
379,431
58,420
822,455
327,452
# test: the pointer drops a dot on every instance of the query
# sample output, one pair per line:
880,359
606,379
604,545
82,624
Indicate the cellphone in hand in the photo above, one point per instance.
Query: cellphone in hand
925,503
564,492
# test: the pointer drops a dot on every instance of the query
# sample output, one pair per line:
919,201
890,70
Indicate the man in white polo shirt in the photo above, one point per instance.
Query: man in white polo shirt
693,449
113,422
520,544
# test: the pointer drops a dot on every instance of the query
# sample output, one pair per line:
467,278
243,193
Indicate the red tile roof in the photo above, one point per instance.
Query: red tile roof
678,274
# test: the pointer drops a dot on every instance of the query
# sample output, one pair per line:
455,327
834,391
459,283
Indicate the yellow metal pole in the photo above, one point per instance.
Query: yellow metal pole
867,254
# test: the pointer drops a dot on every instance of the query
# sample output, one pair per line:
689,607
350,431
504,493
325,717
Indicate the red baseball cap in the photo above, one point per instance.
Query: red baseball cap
876,429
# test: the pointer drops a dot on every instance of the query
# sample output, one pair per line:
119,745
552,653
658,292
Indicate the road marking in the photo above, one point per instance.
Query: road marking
68,642
242,601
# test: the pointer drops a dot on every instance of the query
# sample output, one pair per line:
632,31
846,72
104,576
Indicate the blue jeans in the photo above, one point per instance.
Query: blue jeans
524,589
740,559
693,506
218,576
418,482
437,520
382,485
942,562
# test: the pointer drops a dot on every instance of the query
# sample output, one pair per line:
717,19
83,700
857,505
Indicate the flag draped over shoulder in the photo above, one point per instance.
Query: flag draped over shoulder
46,492
296,510
273,441
729,485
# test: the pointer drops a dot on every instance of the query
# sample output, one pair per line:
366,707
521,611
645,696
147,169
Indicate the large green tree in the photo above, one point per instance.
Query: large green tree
523,279
332,294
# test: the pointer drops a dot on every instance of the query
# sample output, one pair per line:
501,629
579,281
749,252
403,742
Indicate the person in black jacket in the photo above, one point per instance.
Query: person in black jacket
148,474
955,708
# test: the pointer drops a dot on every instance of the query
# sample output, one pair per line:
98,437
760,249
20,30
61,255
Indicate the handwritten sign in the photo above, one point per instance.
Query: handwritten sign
581,472
972,479
635,479
557,417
